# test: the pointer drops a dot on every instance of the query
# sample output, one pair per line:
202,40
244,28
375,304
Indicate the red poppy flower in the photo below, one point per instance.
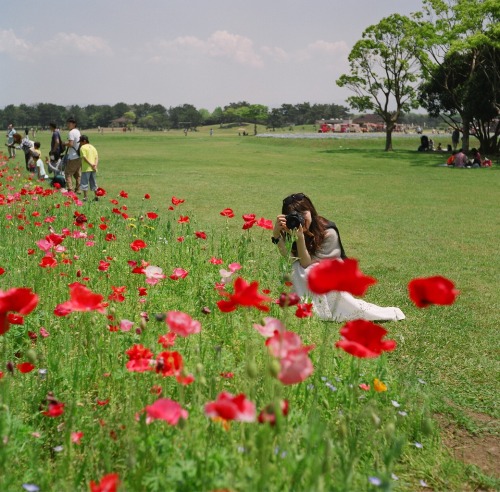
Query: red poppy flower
183,219
432,290
215,261
227,212
139,359
288,299
268,414
15,319
169,363
76,437
182,324
248,217
108,483
110,237
137,245
339,275
244,294
17,300
55,409
168,410
123,194
200,235
48,262
151,215
103,266
363,339
248,224
177,201
229,407
25,367
100,192
147,196
304,310
167,340
142,291
117,294
81,299
265,223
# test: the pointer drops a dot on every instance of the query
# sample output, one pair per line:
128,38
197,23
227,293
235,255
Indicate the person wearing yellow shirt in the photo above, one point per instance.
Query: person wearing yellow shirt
90,161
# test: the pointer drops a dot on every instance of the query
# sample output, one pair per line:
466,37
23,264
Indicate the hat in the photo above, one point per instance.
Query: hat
84,137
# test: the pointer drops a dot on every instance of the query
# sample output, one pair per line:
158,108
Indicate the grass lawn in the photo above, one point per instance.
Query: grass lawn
400,214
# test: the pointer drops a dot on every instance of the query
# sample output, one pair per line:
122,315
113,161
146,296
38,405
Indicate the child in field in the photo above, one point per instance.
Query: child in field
316,239
37,162
90,160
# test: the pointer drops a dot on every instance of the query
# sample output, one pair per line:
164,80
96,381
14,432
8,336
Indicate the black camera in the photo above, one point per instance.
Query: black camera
294,220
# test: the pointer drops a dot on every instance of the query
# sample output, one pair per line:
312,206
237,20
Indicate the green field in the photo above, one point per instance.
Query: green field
400,214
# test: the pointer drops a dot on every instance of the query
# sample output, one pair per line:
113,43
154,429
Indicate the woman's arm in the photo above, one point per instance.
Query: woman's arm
304,256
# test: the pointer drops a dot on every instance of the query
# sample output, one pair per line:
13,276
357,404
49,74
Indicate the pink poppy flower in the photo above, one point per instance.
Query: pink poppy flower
182,324
178,273
269,327
229,407
126,325
296,366
153,274
167,410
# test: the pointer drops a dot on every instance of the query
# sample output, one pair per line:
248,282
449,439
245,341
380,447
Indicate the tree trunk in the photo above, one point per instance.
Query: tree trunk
388,139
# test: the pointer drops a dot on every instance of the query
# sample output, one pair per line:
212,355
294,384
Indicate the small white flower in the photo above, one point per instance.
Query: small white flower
375,481
418,445
395,403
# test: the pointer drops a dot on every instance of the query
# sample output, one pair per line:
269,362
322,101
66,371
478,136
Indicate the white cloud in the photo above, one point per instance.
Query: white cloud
16,47
64,43
221,44
71,42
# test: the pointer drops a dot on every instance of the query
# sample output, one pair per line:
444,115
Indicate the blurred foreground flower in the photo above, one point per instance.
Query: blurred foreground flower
363,339
245,295
432,290
339,275
108,483
81,299
17,300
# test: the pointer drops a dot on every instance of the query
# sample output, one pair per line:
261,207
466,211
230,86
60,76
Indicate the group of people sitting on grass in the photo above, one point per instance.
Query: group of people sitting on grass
459,158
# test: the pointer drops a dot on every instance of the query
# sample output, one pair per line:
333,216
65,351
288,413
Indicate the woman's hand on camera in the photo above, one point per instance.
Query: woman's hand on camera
279,225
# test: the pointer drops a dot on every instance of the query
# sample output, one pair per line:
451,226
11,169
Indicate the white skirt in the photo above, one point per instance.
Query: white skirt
340,306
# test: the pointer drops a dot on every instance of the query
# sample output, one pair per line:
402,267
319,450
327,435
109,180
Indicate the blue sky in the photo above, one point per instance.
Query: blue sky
203,52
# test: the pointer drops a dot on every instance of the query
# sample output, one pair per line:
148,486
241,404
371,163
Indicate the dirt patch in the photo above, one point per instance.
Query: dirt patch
481,449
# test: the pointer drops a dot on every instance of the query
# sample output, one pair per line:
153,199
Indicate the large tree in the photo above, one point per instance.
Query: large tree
459,57
384,71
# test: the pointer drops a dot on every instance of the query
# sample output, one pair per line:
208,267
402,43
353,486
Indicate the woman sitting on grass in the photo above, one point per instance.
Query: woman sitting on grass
316,239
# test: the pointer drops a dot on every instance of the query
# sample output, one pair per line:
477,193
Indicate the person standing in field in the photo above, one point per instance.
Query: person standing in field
56,143
90,161
73,171
11,131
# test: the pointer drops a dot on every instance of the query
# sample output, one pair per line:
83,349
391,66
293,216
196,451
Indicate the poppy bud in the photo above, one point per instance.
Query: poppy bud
252,371
206,310
199,368
10,366
159,316
389,430
427,427
342,430
375,419
31,356
274,368
143,323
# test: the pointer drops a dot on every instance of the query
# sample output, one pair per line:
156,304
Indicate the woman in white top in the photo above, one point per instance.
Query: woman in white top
316,238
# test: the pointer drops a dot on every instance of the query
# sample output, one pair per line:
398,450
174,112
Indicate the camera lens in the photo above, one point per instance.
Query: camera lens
294,220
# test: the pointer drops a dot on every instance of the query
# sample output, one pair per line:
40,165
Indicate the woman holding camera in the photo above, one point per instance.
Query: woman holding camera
317,238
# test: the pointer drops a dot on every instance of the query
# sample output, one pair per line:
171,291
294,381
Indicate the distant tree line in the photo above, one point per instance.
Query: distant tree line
157,117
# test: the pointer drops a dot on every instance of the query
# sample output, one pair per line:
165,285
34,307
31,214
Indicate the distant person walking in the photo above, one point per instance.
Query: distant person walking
11,131
73,171
90,161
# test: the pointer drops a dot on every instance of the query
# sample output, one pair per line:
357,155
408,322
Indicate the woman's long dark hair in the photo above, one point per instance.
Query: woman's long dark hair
301,203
